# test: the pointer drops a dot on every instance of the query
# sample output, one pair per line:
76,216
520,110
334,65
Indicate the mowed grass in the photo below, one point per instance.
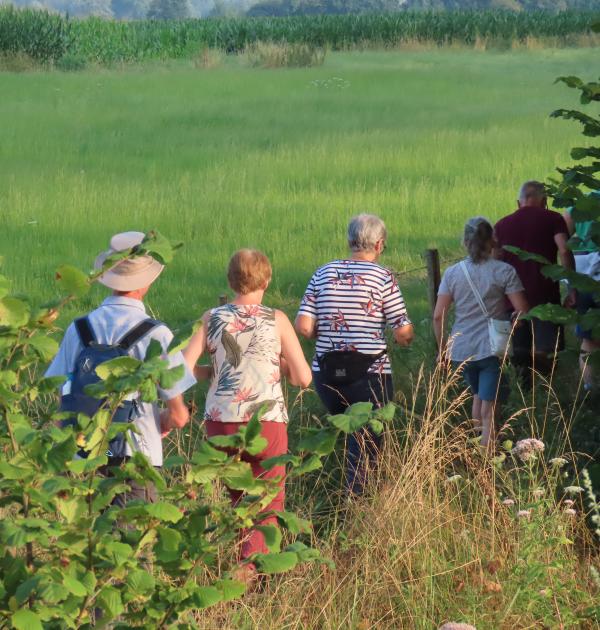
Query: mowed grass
275,159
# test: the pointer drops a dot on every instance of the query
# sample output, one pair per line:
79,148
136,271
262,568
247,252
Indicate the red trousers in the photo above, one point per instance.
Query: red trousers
277,444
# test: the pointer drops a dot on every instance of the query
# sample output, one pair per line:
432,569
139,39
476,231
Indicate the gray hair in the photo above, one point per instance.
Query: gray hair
478,234
532,189
364,231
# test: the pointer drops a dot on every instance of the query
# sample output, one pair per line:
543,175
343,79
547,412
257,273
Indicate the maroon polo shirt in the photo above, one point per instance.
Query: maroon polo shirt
533,230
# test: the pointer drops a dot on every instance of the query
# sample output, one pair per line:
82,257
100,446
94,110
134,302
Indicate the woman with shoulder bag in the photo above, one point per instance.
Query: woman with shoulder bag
480,338
347,306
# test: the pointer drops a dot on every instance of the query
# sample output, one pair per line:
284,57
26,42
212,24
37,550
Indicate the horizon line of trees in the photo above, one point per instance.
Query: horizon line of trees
180,9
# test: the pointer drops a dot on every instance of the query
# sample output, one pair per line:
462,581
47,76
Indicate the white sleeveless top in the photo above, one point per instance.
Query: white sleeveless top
245,349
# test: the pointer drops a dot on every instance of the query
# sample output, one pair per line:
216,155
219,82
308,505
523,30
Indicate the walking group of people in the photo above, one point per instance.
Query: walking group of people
347,307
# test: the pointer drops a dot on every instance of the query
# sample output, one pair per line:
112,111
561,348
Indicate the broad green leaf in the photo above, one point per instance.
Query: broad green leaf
272,536
349,423
173,461
376,426
183,335
72,281
167,547
118,552
281,460
14,313
164,512
45,346
359,409
140,582
26,619
319,441
386,413
159,247
120,366
154,350
110,602
523,255
293,523
310,463
257,445
74,586
554,313
206,454
231,589
169,377
234,441
276,562
206,596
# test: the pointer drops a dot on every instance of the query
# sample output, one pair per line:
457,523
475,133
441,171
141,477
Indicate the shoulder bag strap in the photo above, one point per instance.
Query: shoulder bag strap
136,333
463,266
85,331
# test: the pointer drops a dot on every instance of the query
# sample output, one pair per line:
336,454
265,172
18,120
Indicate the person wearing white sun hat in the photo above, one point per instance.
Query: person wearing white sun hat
121,320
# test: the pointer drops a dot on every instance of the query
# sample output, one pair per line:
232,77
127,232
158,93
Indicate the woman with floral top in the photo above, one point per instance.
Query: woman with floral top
251,347
347,307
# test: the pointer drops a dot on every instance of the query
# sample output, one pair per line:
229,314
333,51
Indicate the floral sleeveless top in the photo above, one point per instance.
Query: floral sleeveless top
245,350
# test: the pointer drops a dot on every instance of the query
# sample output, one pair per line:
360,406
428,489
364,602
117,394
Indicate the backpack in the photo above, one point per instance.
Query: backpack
84,374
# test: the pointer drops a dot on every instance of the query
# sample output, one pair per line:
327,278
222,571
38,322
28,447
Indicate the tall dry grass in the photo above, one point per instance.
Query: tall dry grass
433,541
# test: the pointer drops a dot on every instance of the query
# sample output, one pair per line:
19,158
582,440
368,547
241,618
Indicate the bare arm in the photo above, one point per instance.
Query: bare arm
404,335
196,346
440,316
569,221
519,302
306,326
294,363
567,260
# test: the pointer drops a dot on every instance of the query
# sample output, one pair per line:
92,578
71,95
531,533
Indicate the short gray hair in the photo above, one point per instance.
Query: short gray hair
364,231
532,188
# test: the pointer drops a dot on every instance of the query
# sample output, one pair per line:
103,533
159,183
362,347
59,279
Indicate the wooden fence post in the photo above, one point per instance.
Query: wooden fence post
223,299
434,276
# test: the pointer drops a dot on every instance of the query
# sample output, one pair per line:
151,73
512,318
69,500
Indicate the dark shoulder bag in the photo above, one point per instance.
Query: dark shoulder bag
343,367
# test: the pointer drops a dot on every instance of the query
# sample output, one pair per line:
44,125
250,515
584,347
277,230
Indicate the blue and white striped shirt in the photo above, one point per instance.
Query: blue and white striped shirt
353,301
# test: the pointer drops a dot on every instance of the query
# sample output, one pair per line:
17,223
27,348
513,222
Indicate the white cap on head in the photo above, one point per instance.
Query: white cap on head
132,273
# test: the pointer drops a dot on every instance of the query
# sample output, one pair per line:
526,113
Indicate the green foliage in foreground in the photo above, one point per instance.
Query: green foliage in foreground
66,549
46,37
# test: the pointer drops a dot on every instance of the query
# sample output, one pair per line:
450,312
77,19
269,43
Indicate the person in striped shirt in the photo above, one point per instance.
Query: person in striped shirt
347,306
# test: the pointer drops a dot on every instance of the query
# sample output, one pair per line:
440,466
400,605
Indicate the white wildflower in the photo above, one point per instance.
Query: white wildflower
538,493
524,513
527,449
570,511
569,502
573,490
559,462
508,502
451,625
453,478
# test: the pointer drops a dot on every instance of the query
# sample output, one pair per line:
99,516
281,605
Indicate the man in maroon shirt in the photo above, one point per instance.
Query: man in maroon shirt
535,229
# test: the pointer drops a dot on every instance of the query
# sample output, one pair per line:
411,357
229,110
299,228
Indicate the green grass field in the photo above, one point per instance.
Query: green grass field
280,160
275,159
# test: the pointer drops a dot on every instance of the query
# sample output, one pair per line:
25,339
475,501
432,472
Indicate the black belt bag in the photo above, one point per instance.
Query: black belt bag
342,367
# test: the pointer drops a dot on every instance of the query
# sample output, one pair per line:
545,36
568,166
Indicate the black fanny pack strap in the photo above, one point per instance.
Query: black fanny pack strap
85,331
136,333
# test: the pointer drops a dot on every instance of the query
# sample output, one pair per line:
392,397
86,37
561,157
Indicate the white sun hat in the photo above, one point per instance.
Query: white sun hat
132,273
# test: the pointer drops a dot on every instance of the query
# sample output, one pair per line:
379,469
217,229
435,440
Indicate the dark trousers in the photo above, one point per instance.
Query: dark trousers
362,447
535,344
144,491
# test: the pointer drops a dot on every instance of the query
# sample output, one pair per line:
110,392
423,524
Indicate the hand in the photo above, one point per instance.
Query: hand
165,423
443,359
571,299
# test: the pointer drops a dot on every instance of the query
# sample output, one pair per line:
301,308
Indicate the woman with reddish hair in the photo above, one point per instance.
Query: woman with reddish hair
251,347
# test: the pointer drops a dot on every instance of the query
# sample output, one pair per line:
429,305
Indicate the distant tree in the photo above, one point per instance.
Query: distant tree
130,9
169,10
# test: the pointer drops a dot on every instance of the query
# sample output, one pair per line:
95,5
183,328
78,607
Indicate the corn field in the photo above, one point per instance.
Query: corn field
48,37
